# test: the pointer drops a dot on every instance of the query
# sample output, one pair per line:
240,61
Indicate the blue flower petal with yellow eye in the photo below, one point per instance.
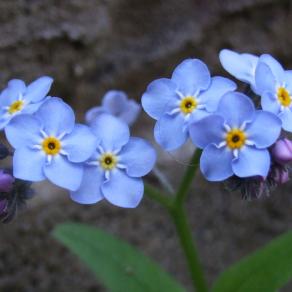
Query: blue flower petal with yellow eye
188,96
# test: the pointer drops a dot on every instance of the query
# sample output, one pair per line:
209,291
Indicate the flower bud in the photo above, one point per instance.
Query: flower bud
6,181
282,151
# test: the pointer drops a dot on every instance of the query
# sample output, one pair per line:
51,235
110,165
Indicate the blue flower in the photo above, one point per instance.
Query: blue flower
241,66
274,84
235,139
188,96
48,144
114,171
18,98
116,103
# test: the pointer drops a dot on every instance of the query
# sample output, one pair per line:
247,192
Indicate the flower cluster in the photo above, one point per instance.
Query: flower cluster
243,140
240,140
95,162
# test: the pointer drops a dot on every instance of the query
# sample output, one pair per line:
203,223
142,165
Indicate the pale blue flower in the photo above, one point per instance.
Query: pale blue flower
114,171
274,84
18,98
235,139
48,144
188,96
116,103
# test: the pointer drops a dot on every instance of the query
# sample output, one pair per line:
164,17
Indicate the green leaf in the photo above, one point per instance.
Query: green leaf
266,270
119,266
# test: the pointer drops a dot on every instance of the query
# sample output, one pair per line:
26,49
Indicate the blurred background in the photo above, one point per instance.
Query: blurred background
91,46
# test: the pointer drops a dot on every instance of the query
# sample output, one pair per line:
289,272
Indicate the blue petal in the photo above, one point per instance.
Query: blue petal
169,132
288,80
5,97
130,113
89,191
115,101
241,66
80,143
215,163
122,190
56,116
274,65
269,103
28,164
33,107
191,76
92,114
17,85
265,79
264,129
286,117
206,131
64,173
252,162
112,132
157,96
236,108
197,115
23,130
219,86
138,156
38,89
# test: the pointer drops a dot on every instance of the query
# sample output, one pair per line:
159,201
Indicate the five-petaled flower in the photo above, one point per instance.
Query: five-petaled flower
190,95
116,103
48,144
235,139
114,171
274,84
18,98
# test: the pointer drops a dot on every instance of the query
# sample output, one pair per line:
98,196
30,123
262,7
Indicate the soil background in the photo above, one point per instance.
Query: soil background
91,46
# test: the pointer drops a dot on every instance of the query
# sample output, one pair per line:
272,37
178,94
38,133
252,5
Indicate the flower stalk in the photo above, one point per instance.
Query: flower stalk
176,209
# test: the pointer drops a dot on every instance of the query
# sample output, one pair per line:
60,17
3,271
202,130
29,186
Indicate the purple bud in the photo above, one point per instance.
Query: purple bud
282,151
280,175
6,181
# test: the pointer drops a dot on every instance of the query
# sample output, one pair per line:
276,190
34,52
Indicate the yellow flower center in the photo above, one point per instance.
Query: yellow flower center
51,146
235,138
108,161
284,97
188,104
16,106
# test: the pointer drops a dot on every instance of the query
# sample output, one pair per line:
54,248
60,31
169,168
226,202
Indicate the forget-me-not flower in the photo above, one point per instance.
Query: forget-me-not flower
274,84
18,98
114,171
235,139
48,144
116,103
188,96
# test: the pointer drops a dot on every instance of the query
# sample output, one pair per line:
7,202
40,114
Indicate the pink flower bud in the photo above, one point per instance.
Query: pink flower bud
282,151
6,181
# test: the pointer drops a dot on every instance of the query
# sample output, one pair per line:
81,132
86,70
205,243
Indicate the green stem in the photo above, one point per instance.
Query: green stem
187,242
176,209
188,177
